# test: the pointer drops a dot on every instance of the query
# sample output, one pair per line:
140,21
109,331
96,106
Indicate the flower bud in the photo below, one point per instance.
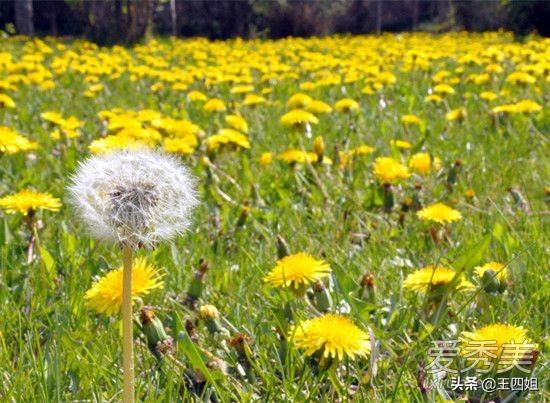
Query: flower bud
197,284
242,343
489,281
319,148
452,176
211,317
367,291
321,297
282,247
520,200
387,195
158,342
244,215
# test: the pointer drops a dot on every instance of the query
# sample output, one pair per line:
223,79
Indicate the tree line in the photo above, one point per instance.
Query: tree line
128,21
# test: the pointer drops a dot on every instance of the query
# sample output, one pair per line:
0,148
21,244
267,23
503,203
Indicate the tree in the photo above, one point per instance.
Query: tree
24,17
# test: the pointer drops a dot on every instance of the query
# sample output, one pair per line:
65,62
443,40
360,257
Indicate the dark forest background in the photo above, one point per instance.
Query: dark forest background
128,21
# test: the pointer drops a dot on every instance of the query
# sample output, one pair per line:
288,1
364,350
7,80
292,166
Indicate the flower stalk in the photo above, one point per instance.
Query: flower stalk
127,327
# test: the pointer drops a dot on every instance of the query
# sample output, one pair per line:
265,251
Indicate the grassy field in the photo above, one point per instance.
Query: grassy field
469,107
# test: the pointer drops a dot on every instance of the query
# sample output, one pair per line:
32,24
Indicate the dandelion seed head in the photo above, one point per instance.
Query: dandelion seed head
136,197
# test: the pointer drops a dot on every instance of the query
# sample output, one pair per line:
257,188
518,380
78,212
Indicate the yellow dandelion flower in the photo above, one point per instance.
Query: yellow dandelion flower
524,106
28,201
6,101
318,107
253,100
208,311
114,142
421,163
296,270
433,98
241,89
214,105
499,335
520,77
389,170
456,114
298,117
194,96
498,268
297,156
105,294
12,143
431,277
299,101
409,120
440,213
331,335
227,136
237,122
363,149
53,117
488,96
443,89
346,105
494,68
180,145
402,144
319,146
266,158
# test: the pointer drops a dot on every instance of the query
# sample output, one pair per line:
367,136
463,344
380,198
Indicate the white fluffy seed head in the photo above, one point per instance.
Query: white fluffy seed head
136,197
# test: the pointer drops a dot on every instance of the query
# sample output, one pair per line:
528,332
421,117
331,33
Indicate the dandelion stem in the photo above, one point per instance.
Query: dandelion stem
127,328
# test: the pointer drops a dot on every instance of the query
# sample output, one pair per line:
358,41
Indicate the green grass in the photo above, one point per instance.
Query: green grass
55,348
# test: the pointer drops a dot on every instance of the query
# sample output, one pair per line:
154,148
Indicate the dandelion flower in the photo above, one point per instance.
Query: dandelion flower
208,311
133,197
6,101
432,277
421,163
524,106
488,96
105,294
114,142
456,114
389,170
500,335
409,120
520,77
180,145
440,213
401,144
293,156
346,105
331,335
237,122
12,143
28,201
194,96
253,100
297,270
266,158
298,101
241,89
498,268
298,117
443,89
433,98
227,136
214,105
318,107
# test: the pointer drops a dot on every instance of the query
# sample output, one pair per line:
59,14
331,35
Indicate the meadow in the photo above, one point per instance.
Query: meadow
361,200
